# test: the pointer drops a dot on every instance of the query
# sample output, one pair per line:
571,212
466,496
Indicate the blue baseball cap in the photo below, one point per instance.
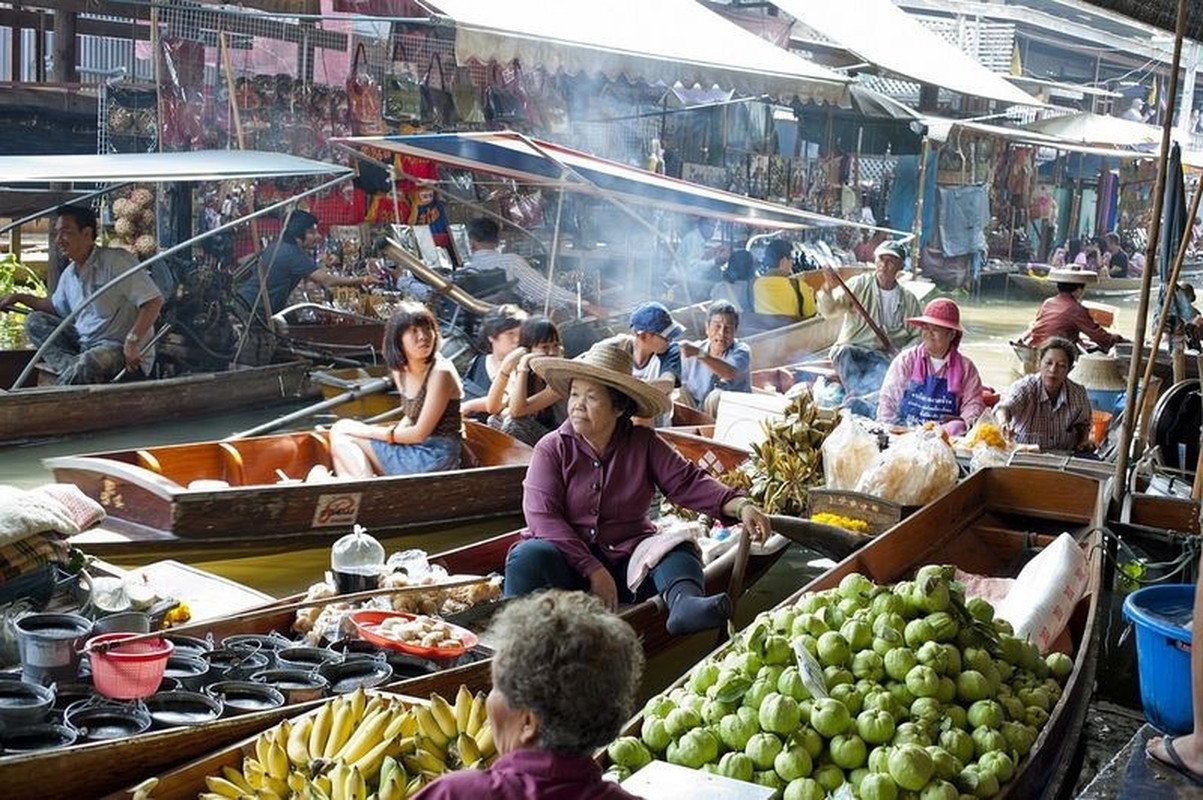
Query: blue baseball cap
654,318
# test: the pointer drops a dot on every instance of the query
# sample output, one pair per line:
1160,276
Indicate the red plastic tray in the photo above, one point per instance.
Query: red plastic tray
366,623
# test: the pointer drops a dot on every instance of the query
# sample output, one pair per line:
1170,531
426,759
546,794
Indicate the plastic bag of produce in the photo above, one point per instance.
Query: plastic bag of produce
848,453
917,468
1045,592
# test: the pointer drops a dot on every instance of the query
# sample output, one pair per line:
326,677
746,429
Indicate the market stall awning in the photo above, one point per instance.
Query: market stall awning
658,41
883,34
199,165
1097,129
941,129
538,163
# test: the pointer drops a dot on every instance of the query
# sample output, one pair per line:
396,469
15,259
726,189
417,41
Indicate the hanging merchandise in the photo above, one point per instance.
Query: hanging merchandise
438,107
365,110
402,89
465,94
504,102
545,104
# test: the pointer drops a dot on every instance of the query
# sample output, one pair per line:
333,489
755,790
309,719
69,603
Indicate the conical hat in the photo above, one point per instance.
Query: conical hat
1098,372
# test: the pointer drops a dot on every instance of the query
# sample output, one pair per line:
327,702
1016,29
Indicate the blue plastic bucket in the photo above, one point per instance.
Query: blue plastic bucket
1163,653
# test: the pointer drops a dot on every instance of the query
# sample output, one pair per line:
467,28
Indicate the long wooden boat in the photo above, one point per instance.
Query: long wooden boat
1036,287
45,411
95,769
984,526
239,497
1164,366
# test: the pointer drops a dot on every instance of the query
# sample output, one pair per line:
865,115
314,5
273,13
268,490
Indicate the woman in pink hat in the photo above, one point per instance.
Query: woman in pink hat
932,381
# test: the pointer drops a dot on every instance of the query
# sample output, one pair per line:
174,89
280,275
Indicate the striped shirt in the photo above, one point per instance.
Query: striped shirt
532,286
1052,423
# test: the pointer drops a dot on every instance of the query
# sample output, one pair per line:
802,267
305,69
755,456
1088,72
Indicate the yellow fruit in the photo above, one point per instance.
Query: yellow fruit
468,751
297,746
369,734
394,788
144,789
223,787
254,772
463,708
338,781
356,786
403,723
277,762
444,715
262,742
320,730
484,741
341,729
237,778
479,714
370,762
428,726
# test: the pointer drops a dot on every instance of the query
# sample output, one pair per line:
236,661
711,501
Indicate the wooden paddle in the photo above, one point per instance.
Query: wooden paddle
735,587
860,309
372,386
272,610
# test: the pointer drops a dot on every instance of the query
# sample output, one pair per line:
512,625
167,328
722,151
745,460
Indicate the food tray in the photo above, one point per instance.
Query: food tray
366,623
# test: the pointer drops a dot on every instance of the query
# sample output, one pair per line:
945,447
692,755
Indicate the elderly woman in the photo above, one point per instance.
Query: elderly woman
590,485
1047,408
565,675
932,381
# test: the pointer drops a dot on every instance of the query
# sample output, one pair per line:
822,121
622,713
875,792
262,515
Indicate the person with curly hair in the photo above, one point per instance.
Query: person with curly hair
565,676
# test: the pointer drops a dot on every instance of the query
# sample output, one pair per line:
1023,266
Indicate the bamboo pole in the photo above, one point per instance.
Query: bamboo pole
1119,484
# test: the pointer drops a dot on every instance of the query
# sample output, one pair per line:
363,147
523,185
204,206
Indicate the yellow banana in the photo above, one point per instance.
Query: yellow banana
468,751
357,699
282,732
320,730
370,762
210,796
298,782
403,723
277,762
479,714
297,746
394,788
428,726
415,785
262,743
370,732
323,785
389,766
373,704
341,729
444,715
254,772
338,781
357,787
237,778
484,741
144,789
272,788
463,708
223,787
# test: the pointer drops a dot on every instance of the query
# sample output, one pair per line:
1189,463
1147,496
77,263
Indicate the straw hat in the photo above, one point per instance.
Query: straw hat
606,365
1098,372
941,312
1082,276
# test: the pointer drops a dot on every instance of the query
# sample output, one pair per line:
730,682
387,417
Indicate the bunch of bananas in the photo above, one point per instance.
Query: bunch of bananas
357,747
790,459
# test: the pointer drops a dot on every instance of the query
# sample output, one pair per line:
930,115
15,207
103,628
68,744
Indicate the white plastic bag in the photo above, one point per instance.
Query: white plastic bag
916,468
1045,592
848,451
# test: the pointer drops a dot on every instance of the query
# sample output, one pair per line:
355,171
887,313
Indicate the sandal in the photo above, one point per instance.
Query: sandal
1175,763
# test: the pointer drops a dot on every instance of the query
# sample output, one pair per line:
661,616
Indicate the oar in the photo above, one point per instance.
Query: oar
273,610
373,386
860,309
142,351
735,586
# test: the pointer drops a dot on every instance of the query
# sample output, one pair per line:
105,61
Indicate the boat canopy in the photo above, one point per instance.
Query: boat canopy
539,163
670,40
199,165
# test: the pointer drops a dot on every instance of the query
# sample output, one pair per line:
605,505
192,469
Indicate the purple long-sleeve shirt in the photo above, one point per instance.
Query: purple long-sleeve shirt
528,775
574,498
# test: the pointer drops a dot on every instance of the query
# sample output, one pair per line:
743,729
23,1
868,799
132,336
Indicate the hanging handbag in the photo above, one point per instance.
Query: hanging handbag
364,107
503,102
465,94
438,109
402,90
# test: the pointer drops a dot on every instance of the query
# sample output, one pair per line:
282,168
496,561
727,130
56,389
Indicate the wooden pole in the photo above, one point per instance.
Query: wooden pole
1119,484
917,225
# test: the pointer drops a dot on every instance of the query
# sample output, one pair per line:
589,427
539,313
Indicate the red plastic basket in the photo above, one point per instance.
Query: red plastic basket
128,671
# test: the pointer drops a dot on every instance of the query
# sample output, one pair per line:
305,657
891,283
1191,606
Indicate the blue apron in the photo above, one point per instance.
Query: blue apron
927,401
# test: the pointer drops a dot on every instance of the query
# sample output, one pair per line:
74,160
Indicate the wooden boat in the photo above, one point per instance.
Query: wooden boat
204,498
983,526
1037,287
313,326
1164,366
43,411
793,342
95,769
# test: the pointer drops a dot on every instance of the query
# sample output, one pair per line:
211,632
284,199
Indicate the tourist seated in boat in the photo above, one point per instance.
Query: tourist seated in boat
520,403
716,364
655,352
1064,315
546,728
736,285
499,337
1117,259
698,259
1184,753
112,334
589,488
777,292
859,355
933,381
1047,409
429,436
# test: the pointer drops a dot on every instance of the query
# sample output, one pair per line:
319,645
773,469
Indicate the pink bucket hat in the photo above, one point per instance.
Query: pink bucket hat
942,312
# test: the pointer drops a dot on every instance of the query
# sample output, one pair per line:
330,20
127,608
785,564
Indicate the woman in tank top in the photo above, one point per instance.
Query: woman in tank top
428,437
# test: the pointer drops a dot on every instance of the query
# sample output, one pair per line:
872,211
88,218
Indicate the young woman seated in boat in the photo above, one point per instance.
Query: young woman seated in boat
499,336
933,381
588,490
428,437
520,403
545,727
1048,409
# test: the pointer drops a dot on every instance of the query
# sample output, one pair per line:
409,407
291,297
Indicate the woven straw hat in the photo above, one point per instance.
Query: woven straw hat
1098,372
1082,276
607,365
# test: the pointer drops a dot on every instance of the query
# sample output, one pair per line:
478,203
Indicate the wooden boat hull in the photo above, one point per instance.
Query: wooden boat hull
793,342
1039,288
63,410
697,445
151,506
982,525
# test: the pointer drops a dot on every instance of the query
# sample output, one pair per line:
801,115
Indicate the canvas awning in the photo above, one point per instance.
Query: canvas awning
883,34
1097,129
539,163
199,165
940,129
661,41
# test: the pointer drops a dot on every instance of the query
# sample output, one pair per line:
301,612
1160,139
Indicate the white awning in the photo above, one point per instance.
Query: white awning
1097,129
883,34
940,129
651,40
200,165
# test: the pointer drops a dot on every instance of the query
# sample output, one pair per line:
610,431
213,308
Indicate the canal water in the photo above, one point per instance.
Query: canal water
990,323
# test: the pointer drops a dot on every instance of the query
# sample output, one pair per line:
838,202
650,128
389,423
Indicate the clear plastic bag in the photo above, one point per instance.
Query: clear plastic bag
985,443
917,468
848,452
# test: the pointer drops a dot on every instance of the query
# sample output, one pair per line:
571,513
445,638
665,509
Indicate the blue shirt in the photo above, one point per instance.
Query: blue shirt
699,380
287,265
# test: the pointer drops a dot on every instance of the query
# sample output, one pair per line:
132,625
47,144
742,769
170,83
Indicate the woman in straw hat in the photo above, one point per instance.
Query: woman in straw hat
1048,409
1064,315
932,381
590,485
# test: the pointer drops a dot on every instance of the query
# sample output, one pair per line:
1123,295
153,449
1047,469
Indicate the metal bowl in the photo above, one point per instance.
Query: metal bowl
175,709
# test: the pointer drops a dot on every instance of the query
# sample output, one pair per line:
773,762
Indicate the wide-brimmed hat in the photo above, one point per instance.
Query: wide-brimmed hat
1098,372
941,312
891,248
608,365
1082,276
